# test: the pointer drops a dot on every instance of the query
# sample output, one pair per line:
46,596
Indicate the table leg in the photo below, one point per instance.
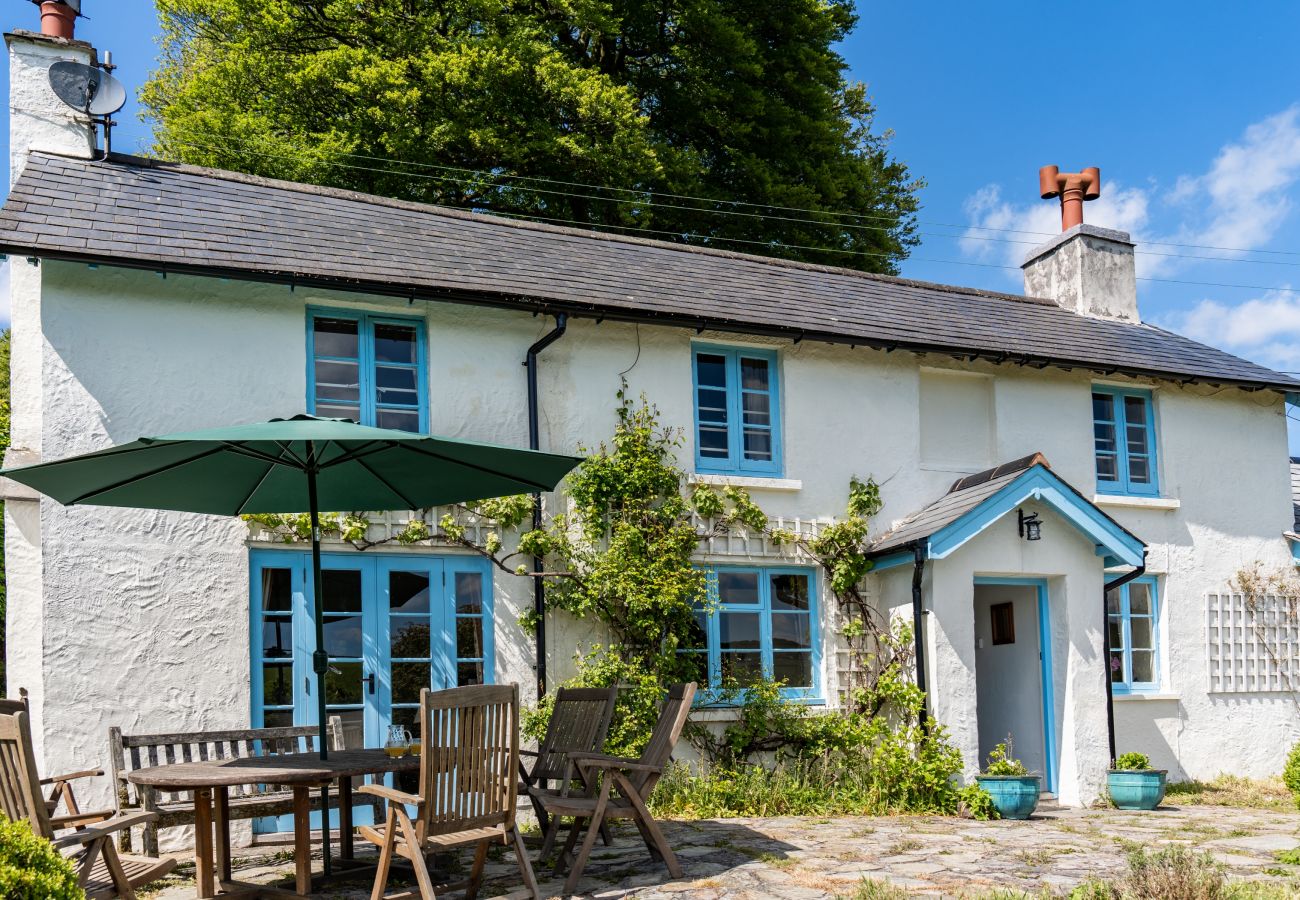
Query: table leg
221,823
302,836
345,818
203,842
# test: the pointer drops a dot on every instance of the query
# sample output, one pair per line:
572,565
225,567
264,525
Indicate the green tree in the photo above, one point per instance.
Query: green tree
719,100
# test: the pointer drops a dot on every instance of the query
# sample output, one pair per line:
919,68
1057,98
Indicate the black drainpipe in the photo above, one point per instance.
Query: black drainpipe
1105,646
534,442
918,572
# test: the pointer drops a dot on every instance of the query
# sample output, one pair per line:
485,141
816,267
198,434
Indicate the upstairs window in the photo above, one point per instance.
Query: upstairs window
737,412
369,369
1123,427
1132,635
758,624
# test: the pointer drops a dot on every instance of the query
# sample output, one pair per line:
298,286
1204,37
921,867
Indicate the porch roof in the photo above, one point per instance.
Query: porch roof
977,501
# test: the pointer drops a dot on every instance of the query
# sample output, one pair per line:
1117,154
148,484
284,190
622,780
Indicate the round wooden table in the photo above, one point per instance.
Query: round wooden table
210,780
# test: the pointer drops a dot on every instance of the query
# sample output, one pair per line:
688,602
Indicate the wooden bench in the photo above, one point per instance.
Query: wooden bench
128,752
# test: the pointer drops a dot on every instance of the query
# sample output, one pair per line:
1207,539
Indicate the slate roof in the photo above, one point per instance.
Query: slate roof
965,495
148,214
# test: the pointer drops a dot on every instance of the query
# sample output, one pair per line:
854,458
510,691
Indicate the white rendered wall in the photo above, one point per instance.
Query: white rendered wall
141,618
38,120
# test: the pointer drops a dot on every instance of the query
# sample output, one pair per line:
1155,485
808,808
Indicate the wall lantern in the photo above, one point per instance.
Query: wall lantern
1031,528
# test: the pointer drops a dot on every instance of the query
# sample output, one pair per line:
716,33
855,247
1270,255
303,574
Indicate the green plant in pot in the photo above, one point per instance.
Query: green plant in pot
1133,784
1013,789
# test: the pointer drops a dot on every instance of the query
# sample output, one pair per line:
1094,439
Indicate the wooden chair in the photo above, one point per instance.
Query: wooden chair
624,788
469,763
61,785
579,724
101,871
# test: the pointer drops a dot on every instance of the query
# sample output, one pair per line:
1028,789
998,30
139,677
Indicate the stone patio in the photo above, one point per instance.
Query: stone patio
810,858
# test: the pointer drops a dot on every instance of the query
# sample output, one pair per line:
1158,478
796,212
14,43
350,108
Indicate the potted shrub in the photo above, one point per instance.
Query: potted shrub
1133,784
1005,779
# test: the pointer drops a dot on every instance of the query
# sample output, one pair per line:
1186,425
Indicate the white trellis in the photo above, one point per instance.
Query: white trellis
1252,642
737,541
385,526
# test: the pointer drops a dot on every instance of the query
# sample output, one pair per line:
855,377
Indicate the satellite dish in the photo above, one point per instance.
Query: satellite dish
87,89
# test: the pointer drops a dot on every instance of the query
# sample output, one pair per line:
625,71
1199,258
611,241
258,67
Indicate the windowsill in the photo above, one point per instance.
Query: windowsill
1131,502
1147,697
703,712
760,483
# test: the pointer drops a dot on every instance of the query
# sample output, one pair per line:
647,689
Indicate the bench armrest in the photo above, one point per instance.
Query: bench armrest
87,773
70,821
104,829
392,795
604,761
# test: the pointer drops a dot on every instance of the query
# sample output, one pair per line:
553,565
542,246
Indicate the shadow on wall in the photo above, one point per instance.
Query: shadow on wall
1141,731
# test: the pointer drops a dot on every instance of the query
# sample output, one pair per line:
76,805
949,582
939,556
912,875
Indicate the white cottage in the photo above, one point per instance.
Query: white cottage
1057,475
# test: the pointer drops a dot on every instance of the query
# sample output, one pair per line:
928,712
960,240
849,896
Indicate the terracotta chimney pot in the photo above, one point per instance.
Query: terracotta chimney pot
58,19
1073,188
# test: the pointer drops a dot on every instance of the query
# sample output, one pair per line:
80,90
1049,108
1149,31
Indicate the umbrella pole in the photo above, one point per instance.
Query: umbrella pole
319,658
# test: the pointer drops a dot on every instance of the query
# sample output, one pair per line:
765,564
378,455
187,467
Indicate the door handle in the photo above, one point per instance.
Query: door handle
370,680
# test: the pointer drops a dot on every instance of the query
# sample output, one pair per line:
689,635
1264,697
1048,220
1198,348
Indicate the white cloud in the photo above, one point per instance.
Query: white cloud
1265,329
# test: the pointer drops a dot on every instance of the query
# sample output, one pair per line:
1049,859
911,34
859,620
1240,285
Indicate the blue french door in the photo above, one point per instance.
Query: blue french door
394,624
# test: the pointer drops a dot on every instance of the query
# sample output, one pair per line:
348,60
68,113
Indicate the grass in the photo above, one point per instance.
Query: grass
907,845
1178,873
1290,857
1232,790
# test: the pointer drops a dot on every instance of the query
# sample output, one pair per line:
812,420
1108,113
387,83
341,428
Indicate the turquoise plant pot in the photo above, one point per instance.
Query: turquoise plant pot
1136,789
1014,796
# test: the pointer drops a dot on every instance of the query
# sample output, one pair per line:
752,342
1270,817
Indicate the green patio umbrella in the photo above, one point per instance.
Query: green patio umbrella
287,465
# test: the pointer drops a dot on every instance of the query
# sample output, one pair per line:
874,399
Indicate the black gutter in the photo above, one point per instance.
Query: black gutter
1105,645
534,443
918,573
494,300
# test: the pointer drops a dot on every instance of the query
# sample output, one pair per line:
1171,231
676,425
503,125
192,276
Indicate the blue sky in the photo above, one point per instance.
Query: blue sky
1191,110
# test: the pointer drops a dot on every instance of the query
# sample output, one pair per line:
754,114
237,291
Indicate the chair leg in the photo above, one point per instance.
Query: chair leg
385,856
593,831
120,882
86,863
647,839
565,857
639,809
605,835
476,871
525,867
418,862
548,838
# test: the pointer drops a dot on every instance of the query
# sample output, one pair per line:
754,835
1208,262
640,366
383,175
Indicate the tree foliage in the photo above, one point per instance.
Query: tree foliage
444,100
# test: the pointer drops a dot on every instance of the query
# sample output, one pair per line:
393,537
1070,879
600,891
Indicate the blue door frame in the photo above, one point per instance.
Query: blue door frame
1045,657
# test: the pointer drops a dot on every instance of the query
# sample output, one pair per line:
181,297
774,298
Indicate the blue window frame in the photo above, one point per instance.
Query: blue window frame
1133,635
758,623
737,411
1124,433
367,368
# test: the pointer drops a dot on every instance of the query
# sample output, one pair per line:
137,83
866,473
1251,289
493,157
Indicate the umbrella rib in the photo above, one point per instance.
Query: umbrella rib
386,483
143,475
286,450
239,510
469,465
356,453
244,450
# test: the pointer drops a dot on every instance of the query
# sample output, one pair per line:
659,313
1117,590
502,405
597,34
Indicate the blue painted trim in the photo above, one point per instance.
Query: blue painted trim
1295,551
366,362
1040,483
1126,635
893,560
735,463
1124,485
1048,685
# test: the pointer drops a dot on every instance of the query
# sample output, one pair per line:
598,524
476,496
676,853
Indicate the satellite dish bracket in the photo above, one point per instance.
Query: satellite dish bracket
92,91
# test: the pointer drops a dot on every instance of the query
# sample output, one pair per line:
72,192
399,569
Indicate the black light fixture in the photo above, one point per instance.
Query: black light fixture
1031,528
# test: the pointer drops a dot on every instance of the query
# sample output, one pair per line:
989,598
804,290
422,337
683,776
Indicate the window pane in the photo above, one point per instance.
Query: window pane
398,419
469,637
1116,668
408,592
1107,467
753,374
1137,439
712,405
1139,471
277,590
1135,411
740,588
408,717
1112,602
789,591
1144,666
1104,435
758,444
698,636
337,411
409,678
757,409
1140,631
469,673
469,593
738,631
335,337
345,685
1116,634
337,381
1139,599
343,636
791,631
277,718
742,668
341,589
713,442
699,667
711,370
409,637
395,343
795,669
1103,409
277,684
396,386
277,637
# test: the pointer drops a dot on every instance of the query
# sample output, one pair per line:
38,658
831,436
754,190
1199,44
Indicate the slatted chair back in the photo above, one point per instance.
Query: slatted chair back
20,788
657,753
469,757
579,724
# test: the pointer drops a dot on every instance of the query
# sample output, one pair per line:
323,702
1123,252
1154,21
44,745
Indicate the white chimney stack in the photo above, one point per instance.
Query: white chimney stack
39,120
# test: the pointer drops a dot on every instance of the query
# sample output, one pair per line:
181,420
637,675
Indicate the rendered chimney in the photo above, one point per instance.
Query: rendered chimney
1085,269
38,120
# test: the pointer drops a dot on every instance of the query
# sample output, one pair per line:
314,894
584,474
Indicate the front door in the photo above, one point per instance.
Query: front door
394,624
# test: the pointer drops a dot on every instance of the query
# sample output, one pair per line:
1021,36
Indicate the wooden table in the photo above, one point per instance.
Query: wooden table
210,780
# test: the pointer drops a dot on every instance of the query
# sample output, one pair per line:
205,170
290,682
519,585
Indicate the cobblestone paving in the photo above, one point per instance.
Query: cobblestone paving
813,858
